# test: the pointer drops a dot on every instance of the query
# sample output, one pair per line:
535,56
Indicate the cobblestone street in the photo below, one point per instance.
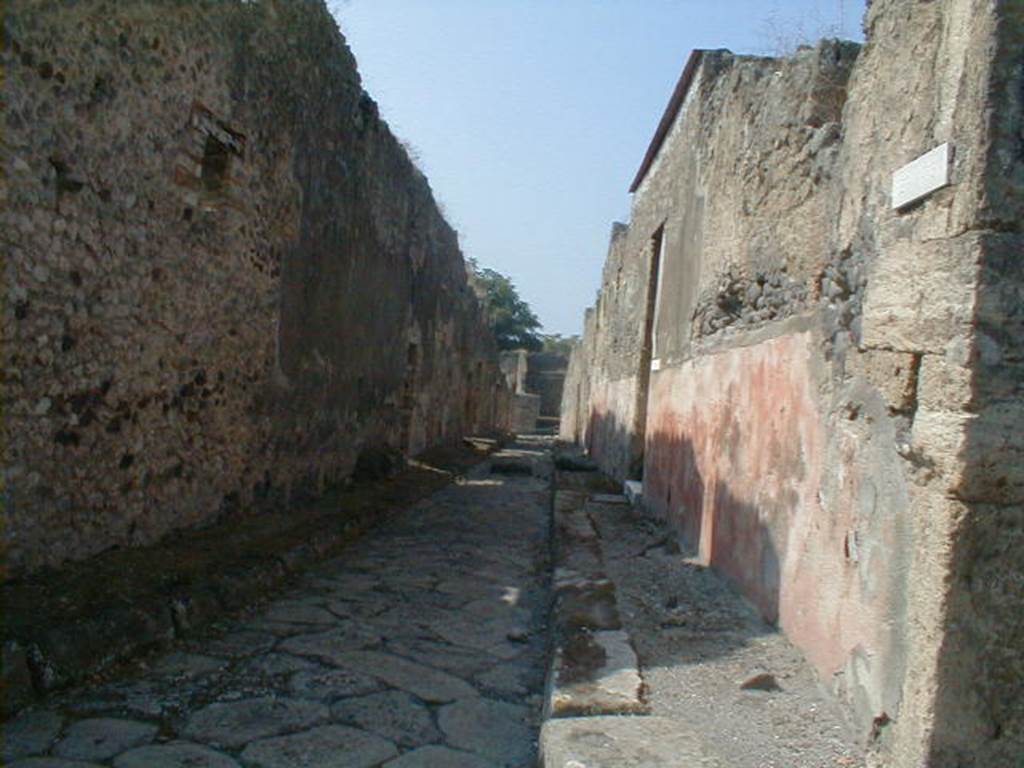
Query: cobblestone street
423,645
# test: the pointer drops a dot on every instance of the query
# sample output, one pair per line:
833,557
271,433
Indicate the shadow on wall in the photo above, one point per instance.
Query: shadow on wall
714,525
979,710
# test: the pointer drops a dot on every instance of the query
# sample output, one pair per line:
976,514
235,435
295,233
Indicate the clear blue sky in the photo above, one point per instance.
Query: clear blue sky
530,117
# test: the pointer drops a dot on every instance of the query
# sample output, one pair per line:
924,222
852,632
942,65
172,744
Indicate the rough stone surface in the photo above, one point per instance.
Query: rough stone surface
177,755
322,323
438,757
102,737
494,730
232,724
395,715
329,746
30,733
428,684
597,674
331,646
330,684
51,762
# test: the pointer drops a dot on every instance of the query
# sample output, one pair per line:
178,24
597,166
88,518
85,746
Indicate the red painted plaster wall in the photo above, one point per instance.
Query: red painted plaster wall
740,458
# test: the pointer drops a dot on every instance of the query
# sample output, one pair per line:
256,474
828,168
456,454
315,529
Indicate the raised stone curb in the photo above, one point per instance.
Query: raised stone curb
594,669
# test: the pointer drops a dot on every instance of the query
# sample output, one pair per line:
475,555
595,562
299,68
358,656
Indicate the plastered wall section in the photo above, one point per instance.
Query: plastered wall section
223,277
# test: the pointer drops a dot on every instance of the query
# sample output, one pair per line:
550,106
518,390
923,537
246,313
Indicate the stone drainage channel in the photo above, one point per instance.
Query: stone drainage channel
428,644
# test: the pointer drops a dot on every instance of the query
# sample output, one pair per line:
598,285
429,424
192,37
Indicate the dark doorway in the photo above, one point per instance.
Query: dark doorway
648,353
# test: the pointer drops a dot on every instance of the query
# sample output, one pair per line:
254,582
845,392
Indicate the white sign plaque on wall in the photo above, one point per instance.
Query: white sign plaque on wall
922,176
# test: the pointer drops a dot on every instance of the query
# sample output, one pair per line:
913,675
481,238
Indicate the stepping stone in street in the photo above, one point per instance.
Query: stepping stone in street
329,746
232,724
332,684
431,685
100,738
492,729
179,754
434,756
394,715
30,734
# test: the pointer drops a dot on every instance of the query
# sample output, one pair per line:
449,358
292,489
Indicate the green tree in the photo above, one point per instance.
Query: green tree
512,321
557,344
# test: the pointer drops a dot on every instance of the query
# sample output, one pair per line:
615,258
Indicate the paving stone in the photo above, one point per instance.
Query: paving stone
331,684
174,755
356,609
431,685
500,609
30,734
329,746
395,715
506,679
51,762
188,665
492,729
99,738
461,662
299,613
232,724
274,664
277,628
331,645
435,756
240,643
488,636
144,698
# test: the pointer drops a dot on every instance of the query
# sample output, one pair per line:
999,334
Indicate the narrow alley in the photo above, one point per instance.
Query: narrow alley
306,468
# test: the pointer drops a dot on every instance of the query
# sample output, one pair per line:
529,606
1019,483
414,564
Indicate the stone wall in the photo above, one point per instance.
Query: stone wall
225,280
827,405
545,376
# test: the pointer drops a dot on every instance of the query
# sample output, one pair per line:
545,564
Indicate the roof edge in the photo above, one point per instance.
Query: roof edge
674,105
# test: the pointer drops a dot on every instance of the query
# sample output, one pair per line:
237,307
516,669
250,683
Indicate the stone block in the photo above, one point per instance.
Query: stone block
920,296
944,384
595,673
894,374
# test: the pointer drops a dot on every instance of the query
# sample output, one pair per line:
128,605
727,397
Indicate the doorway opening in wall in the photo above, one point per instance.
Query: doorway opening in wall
215,164
649,350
